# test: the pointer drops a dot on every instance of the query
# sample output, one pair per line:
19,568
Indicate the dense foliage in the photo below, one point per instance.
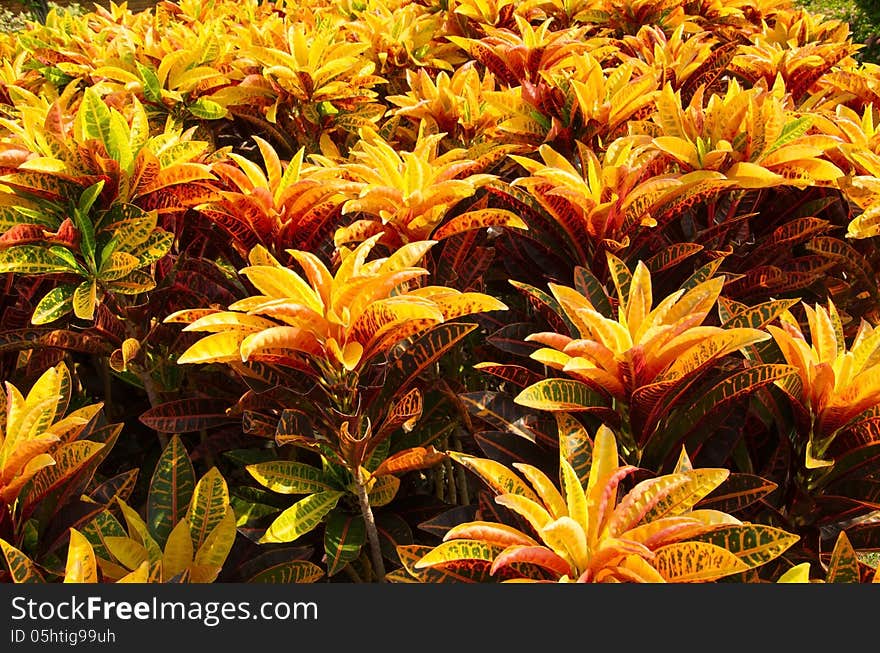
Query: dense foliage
468,291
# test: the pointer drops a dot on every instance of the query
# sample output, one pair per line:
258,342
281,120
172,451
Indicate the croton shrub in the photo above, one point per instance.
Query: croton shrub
439,291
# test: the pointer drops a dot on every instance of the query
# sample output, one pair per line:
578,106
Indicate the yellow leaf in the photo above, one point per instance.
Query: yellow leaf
178,553
82,567
215,348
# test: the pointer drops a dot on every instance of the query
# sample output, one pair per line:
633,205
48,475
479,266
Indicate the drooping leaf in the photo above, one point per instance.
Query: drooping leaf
495,475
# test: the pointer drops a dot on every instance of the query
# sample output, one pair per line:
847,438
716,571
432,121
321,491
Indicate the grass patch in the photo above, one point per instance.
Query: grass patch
863,17
16,19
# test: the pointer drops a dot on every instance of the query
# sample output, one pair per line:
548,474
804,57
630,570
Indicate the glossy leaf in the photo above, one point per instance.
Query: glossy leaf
344,535
170,491
288,477
561,395
754,544
301,517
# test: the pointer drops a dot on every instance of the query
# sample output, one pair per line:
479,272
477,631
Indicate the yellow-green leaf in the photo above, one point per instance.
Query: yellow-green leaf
754,544
208,506
383,490
217,545
288,477
454,550
301,517
560,395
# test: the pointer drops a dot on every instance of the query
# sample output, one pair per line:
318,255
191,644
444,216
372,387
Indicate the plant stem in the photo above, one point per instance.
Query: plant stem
372,531
461,479
152,395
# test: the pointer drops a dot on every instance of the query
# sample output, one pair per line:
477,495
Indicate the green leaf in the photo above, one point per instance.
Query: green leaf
302,517
93,118
118,145
288,477
102,526
32,259
757,317
83,224
54,304
590,287
754,544
116,265
206,109
157,245
171,490
89,196
792,130
67,257
344,536
21,568
152,88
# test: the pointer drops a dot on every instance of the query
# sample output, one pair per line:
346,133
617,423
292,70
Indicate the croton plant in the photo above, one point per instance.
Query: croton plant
464,291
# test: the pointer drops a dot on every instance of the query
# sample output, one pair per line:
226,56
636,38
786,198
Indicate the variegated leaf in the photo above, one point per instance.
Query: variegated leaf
208,506
171,489
753,544
344,536
288,477
301,517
